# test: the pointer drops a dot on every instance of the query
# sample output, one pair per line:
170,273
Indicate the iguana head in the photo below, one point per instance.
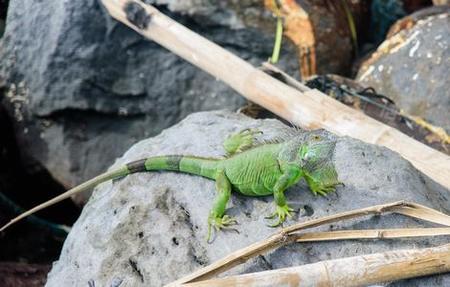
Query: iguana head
309,149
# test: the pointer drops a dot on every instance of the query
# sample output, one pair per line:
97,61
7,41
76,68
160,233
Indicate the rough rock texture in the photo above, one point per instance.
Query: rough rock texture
72,73
412,68
148,229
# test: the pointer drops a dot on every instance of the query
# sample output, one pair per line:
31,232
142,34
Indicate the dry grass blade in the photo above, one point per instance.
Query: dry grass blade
290,234
401,207
352,271
422,212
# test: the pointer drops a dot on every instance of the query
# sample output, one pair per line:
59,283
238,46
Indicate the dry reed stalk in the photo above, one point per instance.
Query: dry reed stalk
352,271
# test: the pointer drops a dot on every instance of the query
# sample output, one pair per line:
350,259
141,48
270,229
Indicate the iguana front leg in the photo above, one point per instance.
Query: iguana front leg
318,166
240,141
322,180
290,176
217,217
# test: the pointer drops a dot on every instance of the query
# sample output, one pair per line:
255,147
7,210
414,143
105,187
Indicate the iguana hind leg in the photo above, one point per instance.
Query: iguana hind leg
217,218
240,141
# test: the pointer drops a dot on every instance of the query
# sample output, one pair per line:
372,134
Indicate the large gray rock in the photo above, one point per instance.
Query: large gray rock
148,229
83,87
412,67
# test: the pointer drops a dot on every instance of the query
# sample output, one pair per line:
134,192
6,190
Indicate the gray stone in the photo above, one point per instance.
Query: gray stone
72,73
148,229
412,68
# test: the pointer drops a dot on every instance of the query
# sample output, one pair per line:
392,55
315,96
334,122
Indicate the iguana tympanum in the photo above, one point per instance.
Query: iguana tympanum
249,168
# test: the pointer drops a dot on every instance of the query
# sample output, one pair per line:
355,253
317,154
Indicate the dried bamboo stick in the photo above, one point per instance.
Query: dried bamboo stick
353,271
290,234
310,109
391,233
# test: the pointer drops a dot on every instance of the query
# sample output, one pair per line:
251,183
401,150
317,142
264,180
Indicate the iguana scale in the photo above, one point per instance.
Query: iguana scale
249,168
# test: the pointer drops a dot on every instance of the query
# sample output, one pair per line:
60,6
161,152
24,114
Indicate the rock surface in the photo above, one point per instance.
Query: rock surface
148,229
71,73
412,68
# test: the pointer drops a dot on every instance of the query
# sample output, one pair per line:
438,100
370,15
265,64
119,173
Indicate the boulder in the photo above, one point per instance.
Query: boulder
149,229
83,87
412,66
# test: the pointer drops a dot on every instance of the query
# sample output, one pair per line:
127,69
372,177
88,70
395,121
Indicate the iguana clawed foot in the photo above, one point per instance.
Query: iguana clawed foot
323,190
282,212
219,223
240,141
318,189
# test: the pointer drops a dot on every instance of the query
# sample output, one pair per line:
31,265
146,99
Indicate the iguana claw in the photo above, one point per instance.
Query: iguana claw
219,223
281,212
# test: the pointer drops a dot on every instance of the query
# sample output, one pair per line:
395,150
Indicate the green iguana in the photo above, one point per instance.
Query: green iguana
249,168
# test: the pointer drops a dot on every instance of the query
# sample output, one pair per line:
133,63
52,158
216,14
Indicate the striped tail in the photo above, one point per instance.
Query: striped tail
201,166
205,167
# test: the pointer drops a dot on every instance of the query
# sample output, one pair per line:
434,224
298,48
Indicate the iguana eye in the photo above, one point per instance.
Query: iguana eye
306,156
316,137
